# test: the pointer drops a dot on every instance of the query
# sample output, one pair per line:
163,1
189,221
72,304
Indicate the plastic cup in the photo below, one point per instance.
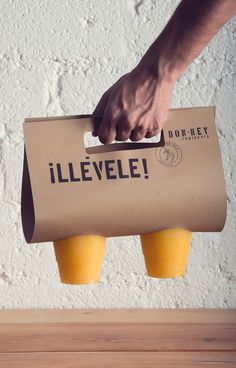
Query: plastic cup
166,252
80,258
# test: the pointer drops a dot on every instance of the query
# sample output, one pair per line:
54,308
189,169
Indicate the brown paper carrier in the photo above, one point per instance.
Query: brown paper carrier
121,188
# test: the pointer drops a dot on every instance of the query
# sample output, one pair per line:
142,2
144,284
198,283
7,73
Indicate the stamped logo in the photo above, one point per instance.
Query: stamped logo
169,155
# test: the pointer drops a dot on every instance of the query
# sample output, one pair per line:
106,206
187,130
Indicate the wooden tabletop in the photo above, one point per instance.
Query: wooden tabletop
127,338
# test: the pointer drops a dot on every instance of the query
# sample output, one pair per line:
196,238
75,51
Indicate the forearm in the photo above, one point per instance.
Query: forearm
190,29
137,105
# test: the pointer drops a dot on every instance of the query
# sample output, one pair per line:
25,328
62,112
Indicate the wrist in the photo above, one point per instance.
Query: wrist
162,66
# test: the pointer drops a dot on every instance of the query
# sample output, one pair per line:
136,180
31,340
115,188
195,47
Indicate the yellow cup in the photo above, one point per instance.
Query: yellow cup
166,252
80,258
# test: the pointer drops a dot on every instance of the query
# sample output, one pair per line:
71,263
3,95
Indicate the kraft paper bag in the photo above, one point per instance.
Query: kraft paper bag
121,188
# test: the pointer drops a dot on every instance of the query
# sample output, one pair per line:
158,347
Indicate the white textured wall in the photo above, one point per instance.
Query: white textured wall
58,57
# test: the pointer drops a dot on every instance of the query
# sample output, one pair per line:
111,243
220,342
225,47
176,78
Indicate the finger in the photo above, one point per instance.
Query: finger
123,129
138,133
96,123
154,128
99,112
150,134
107,130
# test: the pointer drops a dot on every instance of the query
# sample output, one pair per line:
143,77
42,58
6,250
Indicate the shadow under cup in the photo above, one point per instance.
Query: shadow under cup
166,252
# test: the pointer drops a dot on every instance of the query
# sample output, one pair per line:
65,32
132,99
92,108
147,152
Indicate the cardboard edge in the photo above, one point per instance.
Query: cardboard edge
55,118
85,116
27,203
222,165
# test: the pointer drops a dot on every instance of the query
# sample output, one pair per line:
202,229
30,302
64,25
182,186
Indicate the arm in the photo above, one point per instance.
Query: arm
136,106
190,29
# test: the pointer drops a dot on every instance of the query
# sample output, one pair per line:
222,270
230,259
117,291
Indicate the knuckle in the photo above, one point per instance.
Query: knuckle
125,134
150,134
135,138
141,129
105,138
122,138
127,125
122,135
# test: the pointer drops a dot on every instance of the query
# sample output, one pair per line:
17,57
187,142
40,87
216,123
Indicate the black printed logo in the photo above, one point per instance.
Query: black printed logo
169,155
189,134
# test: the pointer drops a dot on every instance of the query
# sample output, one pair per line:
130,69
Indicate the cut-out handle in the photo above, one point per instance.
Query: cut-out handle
118,146
87,124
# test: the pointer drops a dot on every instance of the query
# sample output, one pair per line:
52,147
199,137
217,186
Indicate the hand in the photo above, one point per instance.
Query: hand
135,107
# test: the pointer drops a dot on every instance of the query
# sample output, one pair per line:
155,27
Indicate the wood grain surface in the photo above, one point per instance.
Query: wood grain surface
118,337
